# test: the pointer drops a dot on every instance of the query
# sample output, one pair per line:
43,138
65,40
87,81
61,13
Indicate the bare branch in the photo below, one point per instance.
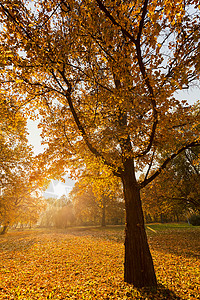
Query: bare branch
144,11
191,163
167,161
150,164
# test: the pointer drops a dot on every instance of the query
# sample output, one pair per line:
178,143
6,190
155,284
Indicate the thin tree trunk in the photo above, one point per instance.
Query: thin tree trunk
177,218
161,218
138,265
103,219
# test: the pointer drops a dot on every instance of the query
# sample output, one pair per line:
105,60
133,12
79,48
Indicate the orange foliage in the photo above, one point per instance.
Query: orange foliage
88,263
102,75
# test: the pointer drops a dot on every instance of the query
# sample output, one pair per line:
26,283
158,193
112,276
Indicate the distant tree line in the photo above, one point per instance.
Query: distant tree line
82,208
172,197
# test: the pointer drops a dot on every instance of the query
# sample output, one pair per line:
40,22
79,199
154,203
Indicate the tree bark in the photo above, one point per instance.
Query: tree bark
5,228
161,218
103,218
138,264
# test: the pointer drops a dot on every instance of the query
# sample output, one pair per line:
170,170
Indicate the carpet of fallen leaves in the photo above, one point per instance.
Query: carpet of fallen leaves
87,263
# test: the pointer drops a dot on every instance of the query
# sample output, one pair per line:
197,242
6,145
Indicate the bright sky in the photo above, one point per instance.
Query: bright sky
192,95
34,136
56,188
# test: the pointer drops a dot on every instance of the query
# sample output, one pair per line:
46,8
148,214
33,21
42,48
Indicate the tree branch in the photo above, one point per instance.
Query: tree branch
82,130
144,11
141,66
152,99
15,21
167,161
150,164
112,19
191,163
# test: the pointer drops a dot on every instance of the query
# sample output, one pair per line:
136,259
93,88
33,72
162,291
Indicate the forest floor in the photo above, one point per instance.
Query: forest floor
87,263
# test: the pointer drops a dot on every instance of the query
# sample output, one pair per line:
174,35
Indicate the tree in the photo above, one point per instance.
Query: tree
86,207
158,202
20,202
177,191
16,165
100,189
15,154
99,206
103,75
59,213
48,216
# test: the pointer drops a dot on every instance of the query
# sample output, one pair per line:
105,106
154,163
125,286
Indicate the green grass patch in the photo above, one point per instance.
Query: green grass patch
167,226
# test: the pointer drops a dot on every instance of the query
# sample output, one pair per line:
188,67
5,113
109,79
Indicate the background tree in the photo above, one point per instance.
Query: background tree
177,191
59,213
103,188
92,207
20,203
86,207
47,217
19,199
103,76
15,154
64,215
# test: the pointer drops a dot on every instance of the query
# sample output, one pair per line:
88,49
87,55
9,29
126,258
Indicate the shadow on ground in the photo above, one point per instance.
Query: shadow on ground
161,293
177,242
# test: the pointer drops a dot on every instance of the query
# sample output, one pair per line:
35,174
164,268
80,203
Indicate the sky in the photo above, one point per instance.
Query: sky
192,95
34,136
56,188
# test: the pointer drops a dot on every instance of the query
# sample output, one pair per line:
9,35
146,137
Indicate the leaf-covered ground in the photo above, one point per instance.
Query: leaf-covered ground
87,263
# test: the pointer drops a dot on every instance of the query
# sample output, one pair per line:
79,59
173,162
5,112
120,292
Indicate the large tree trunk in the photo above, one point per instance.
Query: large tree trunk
138,265
4,230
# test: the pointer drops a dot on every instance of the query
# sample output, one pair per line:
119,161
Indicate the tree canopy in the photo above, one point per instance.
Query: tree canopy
111,69
19,198
177,191
15,154
102,75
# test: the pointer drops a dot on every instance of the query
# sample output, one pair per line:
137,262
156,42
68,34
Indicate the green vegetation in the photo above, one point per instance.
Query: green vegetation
195,220
164,226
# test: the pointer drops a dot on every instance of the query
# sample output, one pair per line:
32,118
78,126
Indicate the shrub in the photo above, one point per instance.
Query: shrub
195,220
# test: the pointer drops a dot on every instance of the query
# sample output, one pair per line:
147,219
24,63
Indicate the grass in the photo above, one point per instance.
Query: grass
164,226
87,263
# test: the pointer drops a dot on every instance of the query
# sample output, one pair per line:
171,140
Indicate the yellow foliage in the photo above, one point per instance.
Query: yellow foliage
88,264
